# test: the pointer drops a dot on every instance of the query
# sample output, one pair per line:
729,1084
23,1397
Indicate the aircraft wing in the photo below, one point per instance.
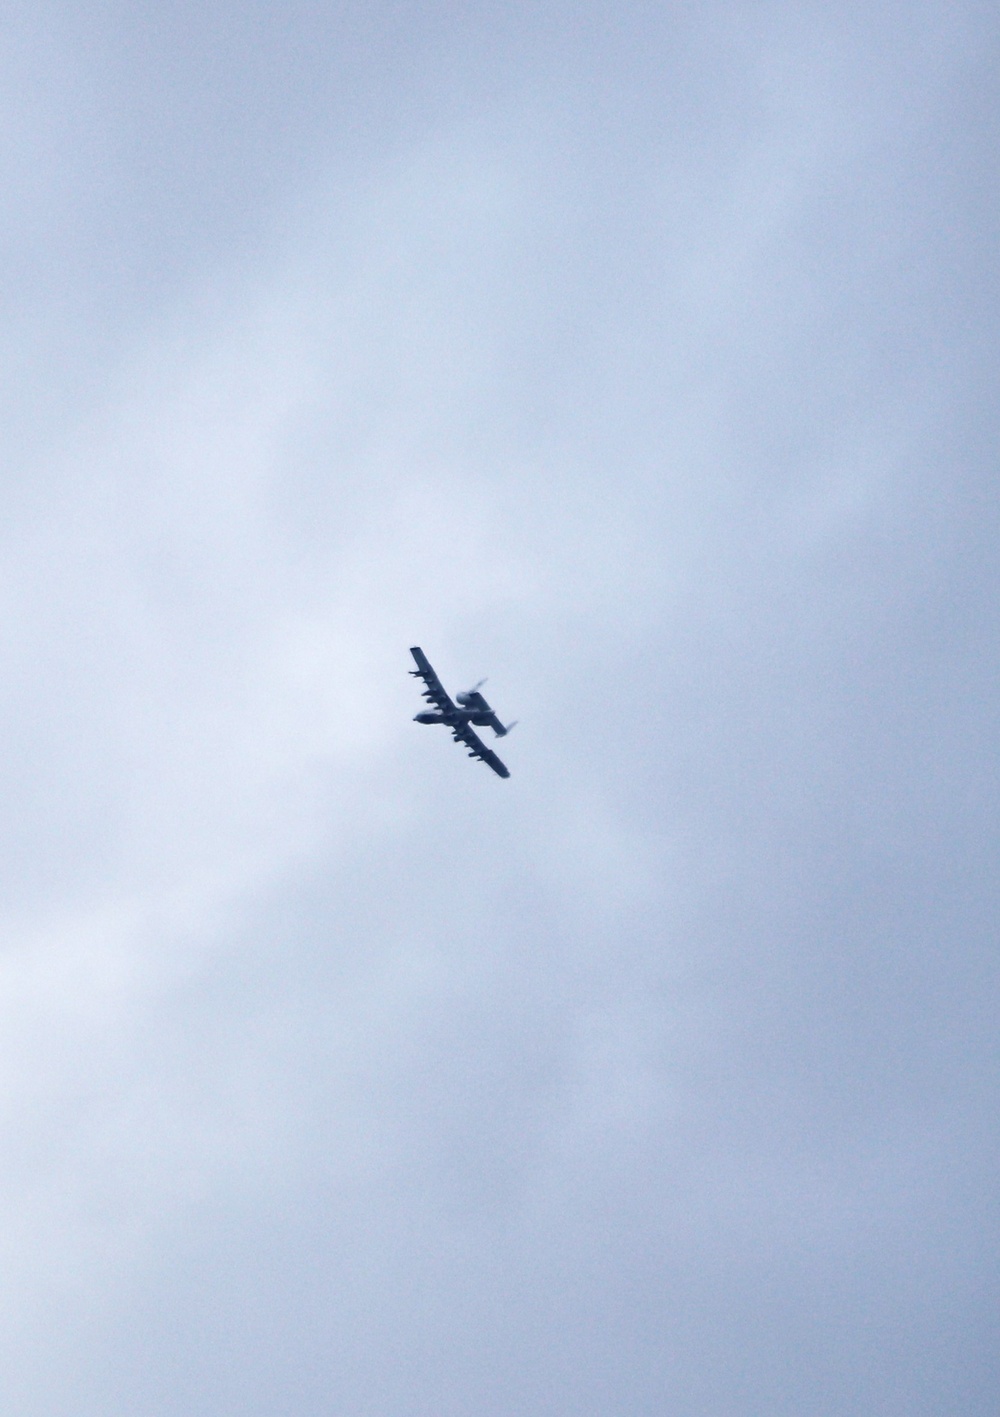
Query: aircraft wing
462,733
433,688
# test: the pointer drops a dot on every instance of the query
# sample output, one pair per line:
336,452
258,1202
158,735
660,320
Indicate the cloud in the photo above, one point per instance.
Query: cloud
336,1072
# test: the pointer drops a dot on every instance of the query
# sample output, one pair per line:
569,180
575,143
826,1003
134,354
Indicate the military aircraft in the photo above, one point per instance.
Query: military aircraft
471,708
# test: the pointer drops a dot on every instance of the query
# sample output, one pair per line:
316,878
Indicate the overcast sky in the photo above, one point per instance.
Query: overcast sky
643,358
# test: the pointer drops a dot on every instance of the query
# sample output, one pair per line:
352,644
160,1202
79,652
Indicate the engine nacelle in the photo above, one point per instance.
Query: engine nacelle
472,697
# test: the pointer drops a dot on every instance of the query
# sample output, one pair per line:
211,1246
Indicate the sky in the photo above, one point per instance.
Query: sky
643,359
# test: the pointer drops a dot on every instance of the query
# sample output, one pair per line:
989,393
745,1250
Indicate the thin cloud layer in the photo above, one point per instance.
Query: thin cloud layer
641,367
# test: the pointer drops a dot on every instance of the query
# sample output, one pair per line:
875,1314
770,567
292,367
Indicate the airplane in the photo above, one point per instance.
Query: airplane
471,708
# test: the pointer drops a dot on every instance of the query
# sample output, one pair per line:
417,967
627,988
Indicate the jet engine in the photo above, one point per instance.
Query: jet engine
468,699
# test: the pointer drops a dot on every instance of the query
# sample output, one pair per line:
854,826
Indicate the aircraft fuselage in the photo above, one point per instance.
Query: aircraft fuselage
481,720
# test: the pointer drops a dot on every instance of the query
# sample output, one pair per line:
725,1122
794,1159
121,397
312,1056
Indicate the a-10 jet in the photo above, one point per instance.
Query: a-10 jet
470,708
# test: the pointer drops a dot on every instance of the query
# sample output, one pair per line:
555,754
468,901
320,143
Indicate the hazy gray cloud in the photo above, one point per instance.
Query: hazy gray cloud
643,363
